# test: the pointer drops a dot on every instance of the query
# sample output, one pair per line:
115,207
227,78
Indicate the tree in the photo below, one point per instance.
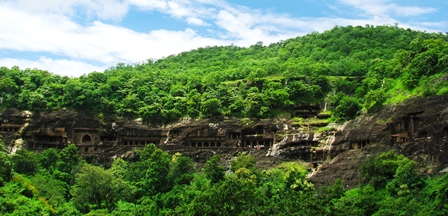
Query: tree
48,159
346,109
25,162
405,178
243,161
181,171
150,174
5,164
237,195
213,170
257,73
374,99
69,161
52,190
210,107
390,167
68,158
93,189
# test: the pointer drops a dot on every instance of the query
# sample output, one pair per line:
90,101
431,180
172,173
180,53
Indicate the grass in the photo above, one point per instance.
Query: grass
328,112
231,82
323,129
443,91
291,166
297,120
315,121
277,77
352,193
398,94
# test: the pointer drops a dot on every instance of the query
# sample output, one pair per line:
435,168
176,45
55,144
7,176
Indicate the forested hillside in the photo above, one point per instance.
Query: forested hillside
349,70
60,183
352,68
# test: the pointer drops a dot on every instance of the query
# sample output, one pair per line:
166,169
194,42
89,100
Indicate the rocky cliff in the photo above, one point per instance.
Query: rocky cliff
417,128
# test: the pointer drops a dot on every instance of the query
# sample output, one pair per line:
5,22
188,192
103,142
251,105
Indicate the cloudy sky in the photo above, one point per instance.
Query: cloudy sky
75,37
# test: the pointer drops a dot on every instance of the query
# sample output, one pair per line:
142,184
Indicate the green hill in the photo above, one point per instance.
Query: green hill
351,68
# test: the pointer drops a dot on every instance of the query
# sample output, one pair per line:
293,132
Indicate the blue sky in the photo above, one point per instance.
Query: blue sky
75,37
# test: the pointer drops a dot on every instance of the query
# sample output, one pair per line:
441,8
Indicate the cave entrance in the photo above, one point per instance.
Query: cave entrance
86,139
422,134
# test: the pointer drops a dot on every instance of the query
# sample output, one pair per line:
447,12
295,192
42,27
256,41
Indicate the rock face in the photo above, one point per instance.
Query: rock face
417,129
106,138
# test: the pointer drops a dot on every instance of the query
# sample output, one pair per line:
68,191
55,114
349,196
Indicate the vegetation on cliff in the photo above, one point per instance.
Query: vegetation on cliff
60,183
354,68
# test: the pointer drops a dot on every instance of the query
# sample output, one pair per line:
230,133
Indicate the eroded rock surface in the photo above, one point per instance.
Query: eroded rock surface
417,129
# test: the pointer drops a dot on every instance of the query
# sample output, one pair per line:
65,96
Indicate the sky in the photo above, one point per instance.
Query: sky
76,37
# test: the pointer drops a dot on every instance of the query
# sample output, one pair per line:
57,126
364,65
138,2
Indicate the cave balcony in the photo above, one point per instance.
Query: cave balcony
258,136
206,139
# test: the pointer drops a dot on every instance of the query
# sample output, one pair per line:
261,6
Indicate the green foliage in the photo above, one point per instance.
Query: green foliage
93,189
210,107
25,162
50,189
213,170
68,163
181,171
235,196
97,188
393,170
243,161
48,159
258,81
150,174
439,190
346,108
351,68
14,200
390,186
5,164
406,179
68,158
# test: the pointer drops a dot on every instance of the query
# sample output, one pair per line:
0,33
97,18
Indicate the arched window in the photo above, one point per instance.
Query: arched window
86,139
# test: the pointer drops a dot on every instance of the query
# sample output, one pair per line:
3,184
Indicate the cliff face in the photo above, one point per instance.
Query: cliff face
417,129
104,139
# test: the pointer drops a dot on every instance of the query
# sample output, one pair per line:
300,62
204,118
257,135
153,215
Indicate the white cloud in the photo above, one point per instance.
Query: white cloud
433,24
383,7
178,10
64,67
196,21
150,5
48,26
98,42
102,9
187,10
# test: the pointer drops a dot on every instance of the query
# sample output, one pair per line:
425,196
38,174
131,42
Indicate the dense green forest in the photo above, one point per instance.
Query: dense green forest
61,183
352,68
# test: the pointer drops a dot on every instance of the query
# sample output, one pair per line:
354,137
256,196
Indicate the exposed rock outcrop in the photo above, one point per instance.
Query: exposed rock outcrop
417,128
